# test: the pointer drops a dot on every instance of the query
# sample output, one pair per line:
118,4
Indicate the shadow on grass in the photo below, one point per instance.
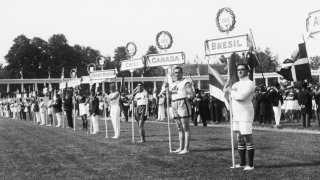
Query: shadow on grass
224,149
309,164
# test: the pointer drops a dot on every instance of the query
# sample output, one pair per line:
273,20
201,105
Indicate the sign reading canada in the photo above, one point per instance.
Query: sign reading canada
313,22
74,82
227,45
154,60
131,64
108,74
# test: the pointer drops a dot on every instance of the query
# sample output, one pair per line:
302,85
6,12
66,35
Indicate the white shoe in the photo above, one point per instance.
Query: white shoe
239,166
184,152
177,151
248,168
115,137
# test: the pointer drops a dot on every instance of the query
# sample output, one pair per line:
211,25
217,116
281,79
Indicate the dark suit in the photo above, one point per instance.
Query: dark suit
68,109
305,102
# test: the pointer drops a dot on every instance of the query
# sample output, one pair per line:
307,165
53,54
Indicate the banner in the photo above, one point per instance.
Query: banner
227,45
131,64
154,60
106,74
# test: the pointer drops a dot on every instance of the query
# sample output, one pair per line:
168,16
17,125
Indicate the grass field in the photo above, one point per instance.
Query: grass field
29,151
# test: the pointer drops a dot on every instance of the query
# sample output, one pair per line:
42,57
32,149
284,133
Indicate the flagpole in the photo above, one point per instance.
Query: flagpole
230,109
105,109
168,112
131,71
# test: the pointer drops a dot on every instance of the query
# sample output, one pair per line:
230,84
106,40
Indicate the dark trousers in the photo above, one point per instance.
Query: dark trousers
125,112
23,115
69,118
212,114
218,114
195,119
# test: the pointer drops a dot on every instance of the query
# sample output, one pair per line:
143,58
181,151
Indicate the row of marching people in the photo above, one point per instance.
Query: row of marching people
291,104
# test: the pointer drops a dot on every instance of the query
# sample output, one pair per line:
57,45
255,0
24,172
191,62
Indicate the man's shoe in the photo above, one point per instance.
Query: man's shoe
240,166
248,168
184,152
177,151
115,137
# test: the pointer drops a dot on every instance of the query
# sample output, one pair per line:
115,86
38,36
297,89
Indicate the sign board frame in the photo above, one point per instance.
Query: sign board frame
226,43
105,74
132,64
152,60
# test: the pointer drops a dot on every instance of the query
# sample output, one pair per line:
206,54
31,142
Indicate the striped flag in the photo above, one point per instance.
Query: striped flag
299,69
216,84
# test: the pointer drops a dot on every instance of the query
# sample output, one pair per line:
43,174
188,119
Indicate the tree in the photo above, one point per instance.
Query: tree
315,62
153,71
120,53
268,61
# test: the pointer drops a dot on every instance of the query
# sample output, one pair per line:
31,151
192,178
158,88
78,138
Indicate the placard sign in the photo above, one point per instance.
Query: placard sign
313,22
107,74
63,85
85,80
154,60
74,82
131,64
227,45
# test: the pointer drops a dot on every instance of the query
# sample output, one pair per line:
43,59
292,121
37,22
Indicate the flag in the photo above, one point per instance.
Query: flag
252,61
216,84
233,69
299,69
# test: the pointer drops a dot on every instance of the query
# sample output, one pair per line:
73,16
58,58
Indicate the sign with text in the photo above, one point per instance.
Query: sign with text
131,64
313,22
227,45
85,79
74,82
154,60
106,74
62,85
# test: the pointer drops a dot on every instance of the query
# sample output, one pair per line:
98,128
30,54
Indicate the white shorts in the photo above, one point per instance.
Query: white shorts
244,127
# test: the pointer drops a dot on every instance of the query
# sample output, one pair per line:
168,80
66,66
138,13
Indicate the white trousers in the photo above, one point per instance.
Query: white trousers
115,119
59,117
95,124
43,117
277,113
38,117
161,112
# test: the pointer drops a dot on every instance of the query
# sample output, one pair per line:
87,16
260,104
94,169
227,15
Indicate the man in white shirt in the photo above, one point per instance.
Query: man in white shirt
243,114
141,99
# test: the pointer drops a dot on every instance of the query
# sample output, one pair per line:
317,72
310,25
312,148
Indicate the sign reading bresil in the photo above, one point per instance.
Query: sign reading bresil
154,60
131,64
227,45
107,74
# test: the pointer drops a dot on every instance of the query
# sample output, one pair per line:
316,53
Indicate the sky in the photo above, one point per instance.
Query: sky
105,25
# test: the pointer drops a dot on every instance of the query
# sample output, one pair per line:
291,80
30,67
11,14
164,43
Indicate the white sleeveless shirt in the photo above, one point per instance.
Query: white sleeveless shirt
178,91
141,98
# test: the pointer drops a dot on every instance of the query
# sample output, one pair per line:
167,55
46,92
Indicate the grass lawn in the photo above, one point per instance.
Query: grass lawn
29,151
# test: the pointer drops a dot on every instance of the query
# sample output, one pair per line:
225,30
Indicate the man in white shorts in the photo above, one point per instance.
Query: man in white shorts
181,92
243,114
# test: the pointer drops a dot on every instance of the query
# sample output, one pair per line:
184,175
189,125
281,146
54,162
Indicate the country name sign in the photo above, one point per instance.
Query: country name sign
313,22
106,74
154,60
74,82
131,64
227,45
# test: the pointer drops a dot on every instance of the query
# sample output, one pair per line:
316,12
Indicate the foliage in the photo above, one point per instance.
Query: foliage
268,61
153,71
37,57
315,62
